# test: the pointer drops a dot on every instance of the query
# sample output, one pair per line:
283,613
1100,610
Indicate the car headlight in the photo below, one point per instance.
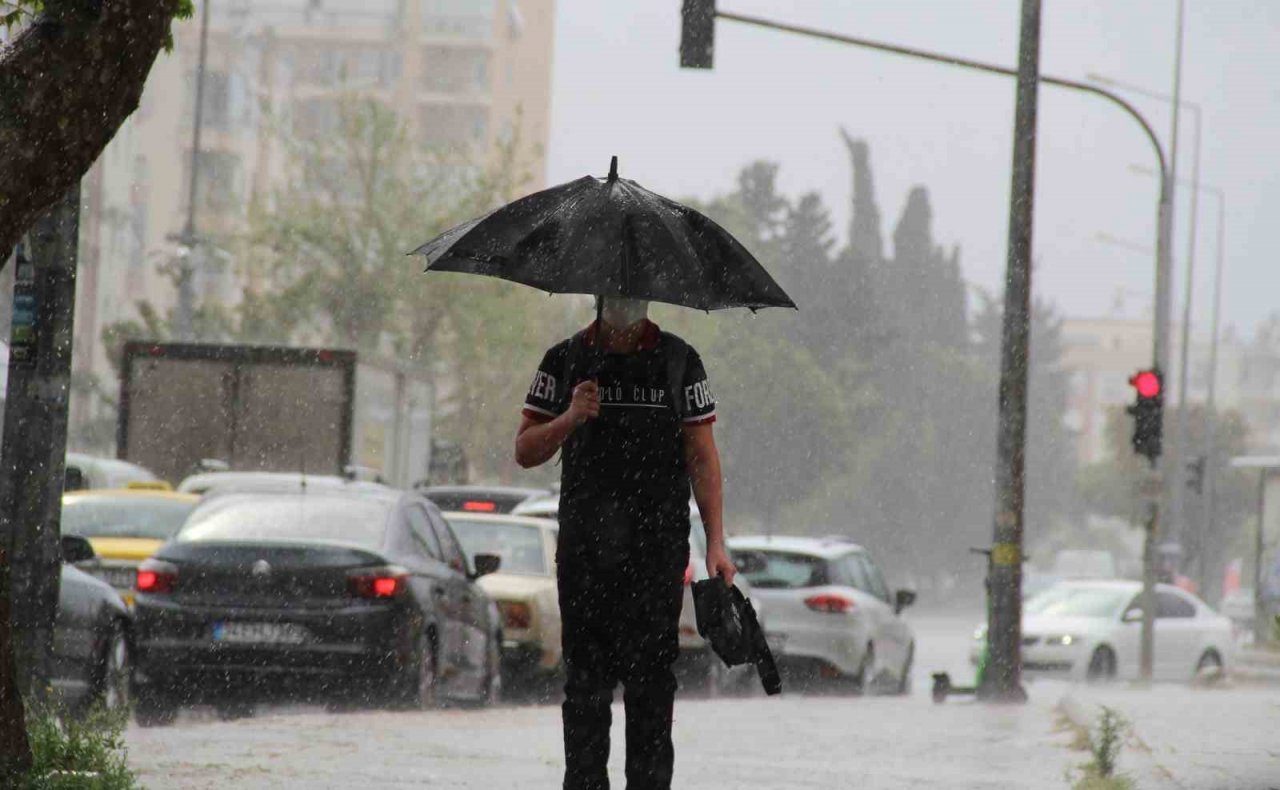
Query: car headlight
1062,640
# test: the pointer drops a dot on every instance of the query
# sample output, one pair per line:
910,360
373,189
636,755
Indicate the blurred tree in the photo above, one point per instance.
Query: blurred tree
60,121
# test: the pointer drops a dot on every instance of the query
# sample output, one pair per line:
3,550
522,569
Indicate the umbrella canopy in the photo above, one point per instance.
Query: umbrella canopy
608,237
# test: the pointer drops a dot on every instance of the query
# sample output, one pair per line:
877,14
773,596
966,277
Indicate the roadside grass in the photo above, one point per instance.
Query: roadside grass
1104,743
83,751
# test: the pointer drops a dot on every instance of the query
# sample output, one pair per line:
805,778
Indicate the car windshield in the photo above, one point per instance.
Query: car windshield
519,545
1069,601
124,517
300,518
788,570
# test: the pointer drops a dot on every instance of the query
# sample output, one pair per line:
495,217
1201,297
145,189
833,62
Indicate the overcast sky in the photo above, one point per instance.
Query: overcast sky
618,90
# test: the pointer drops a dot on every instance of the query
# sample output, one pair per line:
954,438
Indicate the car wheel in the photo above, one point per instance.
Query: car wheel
865,675
492,692
417,686
115,673
904,679
1209,663
154,708
1102,666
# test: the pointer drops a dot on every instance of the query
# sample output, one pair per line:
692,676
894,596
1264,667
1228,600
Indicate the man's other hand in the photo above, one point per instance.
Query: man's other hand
586,402
719,564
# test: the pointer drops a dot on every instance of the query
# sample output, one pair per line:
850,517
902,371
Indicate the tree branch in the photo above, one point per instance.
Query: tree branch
67,83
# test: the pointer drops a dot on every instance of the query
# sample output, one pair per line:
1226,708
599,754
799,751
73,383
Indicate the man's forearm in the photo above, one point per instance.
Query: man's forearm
537,443
709,494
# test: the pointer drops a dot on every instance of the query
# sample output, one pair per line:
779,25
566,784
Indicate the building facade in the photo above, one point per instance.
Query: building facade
459,73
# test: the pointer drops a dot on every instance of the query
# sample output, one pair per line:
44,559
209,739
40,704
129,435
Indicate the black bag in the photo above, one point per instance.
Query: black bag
727,620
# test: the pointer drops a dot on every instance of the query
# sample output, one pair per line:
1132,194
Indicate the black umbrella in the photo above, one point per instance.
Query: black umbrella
608,237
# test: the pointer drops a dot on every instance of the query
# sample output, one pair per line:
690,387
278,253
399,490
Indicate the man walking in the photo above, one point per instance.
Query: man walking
635,426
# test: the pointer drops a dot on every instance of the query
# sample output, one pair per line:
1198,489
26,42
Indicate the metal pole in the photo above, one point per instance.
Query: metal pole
1260,620
185,317
33,450
1192,537
1002,680
1208,503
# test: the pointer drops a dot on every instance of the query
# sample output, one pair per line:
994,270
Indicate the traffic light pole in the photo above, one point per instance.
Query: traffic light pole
696,51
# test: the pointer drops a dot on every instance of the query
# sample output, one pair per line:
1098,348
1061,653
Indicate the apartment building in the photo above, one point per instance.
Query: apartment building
460,73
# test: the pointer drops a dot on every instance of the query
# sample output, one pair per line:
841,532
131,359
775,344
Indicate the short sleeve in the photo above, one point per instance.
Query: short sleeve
545,398
699,403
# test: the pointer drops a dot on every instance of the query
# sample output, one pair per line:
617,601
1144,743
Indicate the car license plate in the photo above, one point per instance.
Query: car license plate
260,633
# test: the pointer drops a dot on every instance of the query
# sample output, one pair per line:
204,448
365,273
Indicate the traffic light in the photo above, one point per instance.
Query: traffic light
1148,412
1195,477
697,33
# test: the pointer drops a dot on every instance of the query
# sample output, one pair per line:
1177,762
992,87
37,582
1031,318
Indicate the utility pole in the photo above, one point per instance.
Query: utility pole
1002,680
33,453
1207,502
185,318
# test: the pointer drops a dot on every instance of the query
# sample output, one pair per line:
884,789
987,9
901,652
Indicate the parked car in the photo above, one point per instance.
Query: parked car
698,667
830,611
1091,630
125,527
363,592
92,635
91,472
480,498
524,589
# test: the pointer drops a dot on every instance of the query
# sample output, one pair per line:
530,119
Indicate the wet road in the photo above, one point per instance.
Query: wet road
795,741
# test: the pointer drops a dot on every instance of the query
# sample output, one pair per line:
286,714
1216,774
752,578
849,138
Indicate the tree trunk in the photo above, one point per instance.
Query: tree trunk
15,751
66,84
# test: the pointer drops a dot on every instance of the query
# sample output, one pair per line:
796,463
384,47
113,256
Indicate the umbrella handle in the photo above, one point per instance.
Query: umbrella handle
598,361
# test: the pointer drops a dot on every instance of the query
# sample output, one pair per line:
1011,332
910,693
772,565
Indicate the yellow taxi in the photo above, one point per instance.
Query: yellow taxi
125,527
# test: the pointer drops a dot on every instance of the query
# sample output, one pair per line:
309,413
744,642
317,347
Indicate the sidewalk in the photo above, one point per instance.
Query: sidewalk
795,741
1259,665
1183,737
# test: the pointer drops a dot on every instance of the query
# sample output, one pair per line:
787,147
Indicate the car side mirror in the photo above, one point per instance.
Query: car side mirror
486,564
76,550
1133,615
902,599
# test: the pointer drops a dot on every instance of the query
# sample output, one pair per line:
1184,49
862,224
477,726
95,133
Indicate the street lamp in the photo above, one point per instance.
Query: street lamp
1176,522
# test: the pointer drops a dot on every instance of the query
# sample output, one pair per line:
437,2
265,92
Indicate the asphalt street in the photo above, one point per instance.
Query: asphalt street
793,741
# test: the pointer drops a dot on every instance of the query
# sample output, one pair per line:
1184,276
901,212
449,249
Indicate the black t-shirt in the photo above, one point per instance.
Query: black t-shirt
624,485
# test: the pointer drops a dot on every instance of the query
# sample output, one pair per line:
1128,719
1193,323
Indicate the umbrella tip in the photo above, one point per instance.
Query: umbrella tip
613,169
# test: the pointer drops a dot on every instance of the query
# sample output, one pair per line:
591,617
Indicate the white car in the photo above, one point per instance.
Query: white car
698,668
523,587
830,610
1092,630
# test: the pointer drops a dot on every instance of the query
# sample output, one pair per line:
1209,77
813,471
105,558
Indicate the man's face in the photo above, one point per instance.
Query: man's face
621,313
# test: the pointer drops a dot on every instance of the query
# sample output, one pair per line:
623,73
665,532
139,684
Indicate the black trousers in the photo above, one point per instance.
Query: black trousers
620,625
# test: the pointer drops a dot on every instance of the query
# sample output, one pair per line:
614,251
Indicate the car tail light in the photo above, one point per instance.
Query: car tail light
156,576
516,615
831,603
688,574
387,582
479,507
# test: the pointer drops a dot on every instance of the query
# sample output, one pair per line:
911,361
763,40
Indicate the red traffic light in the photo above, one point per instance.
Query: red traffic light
1146,382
